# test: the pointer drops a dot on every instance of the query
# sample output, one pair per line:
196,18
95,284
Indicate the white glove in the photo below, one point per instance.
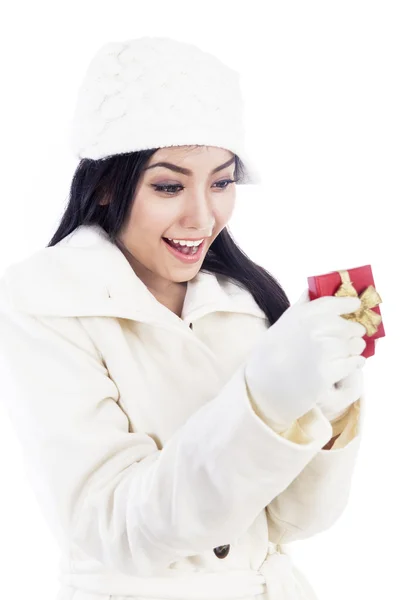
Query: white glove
337,401
302,355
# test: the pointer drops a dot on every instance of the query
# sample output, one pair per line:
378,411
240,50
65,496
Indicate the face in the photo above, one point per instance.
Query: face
195,204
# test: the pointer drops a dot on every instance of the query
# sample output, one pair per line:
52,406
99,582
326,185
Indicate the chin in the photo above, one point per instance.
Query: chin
185,278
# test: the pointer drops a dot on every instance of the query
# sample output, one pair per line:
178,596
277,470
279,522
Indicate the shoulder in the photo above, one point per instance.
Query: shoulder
52,281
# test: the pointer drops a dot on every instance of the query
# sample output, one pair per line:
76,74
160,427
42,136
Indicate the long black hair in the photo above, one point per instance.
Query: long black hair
115,178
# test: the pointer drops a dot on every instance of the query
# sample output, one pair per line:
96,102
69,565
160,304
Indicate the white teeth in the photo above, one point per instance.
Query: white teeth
186,242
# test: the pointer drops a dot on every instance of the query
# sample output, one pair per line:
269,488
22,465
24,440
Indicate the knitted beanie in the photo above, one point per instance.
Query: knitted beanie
154,92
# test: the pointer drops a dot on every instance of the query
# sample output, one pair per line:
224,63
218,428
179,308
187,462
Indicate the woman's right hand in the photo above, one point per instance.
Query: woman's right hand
306,351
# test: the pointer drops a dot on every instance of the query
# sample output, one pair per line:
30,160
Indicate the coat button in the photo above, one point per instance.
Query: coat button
191,325
222,551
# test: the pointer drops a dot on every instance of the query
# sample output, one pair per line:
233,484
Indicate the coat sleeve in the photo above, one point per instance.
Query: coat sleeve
113,492
317,497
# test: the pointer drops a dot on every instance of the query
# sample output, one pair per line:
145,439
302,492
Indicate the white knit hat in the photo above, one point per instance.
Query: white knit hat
153,92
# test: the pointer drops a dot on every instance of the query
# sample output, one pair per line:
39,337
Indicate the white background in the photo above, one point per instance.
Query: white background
321,86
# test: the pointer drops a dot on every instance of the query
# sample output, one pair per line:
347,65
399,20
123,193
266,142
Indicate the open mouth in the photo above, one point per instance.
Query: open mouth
185,252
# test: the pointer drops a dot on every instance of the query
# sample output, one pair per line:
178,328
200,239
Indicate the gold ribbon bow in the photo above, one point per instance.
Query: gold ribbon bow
369,298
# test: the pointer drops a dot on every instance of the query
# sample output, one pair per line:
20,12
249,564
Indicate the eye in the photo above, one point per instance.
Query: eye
227,181
167,188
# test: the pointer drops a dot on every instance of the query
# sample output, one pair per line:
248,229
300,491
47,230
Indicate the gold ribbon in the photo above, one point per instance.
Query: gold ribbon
369,298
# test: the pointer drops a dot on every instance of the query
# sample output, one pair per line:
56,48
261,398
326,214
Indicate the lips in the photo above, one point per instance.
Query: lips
187,257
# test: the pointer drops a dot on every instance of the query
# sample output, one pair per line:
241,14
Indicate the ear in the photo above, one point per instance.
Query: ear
105,199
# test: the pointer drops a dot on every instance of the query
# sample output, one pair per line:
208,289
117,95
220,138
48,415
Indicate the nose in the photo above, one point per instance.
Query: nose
198,214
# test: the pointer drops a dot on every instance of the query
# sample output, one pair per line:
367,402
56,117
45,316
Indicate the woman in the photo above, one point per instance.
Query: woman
172,453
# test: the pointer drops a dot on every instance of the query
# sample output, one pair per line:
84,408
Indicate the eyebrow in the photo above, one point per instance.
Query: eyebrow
184,171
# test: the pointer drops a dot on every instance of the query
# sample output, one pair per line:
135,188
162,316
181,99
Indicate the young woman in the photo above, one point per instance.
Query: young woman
181,422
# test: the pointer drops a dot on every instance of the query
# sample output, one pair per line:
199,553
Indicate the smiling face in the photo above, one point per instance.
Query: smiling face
196,203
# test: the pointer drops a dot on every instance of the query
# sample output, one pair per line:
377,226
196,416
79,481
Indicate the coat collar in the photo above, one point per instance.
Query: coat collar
85,274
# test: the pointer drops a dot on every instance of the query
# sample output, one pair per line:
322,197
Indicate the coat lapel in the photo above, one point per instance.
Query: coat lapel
85,274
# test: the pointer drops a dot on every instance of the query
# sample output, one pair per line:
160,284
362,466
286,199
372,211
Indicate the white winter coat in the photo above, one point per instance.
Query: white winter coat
150,466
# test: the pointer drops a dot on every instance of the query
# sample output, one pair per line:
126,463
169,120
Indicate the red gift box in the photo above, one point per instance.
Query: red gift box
354,282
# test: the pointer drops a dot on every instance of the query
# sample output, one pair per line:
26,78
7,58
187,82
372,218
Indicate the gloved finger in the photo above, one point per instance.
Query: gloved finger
348,390
335,305
354,381
356,345
342,367
344,393
338,347
337,326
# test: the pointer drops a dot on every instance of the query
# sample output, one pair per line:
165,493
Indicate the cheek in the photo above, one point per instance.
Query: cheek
150,220
224,212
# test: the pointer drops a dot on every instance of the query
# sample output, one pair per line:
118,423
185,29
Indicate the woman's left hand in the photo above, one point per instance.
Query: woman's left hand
336,402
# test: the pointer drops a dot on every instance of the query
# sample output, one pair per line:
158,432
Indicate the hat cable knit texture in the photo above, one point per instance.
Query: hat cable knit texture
154,92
